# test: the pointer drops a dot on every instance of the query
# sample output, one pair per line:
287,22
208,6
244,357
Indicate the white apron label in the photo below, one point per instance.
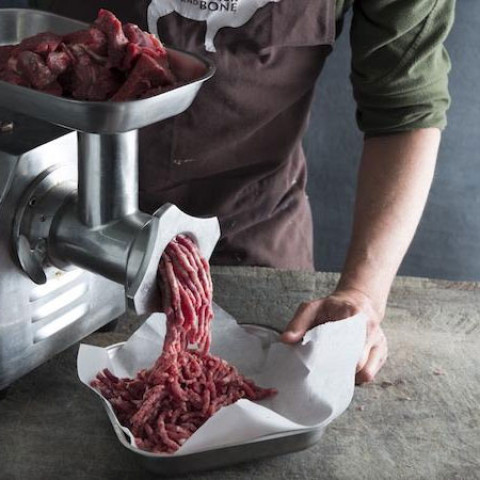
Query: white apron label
217,13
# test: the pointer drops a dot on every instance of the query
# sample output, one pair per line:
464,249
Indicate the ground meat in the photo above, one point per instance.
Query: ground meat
108,61
164,405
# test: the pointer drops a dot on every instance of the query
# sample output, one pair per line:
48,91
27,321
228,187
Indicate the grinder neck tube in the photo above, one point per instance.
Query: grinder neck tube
107,177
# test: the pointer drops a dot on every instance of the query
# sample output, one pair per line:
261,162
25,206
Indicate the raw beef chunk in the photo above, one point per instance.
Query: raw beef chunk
117,41
107,61
146,74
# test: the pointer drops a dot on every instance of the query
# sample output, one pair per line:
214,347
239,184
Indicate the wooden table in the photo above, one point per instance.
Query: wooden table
419,420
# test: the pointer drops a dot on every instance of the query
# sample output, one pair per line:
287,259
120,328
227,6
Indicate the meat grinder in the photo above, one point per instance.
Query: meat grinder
75,249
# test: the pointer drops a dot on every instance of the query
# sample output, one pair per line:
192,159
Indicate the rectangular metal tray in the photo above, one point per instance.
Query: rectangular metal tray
227,456
94,117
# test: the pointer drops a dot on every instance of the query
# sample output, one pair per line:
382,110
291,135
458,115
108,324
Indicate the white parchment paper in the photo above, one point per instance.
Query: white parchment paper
314,379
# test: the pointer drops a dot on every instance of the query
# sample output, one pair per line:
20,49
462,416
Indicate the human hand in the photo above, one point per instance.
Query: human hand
340,305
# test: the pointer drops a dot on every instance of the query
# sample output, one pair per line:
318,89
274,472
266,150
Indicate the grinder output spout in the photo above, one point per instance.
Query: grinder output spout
99,227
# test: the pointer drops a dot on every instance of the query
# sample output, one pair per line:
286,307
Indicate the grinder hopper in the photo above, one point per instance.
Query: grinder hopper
94,232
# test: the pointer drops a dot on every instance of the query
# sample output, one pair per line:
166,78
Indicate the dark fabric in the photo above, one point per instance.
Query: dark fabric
236,152
399,64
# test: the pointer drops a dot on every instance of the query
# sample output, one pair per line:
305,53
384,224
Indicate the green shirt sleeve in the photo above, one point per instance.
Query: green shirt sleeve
399,64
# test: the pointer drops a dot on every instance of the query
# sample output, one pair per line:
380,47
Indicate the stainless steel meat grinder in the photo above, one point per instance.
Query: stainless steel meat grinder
74,247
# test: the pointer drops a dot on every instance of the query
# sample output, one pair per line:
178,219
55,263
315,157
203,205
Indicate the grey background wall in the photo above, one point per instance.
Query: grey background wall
447,244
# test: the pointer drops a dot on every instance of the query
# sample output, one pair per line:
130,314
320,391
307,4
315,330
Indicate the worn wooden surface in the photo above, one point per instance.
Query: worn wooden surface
419,420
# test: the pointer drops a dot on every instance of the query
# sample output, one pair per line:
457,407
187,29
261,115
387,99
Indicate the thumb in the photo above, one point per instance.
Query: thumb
303,319
289,336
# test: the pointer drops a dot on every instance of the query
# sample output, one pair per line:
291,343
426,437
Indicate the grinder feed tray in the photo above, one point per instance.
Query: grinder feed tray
94,117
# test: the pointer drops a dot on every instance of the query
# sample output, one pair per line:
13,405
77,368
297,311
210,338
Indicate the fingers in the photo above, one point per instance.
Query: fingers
374,333
303,319
337,307
364,358
310,314
374,358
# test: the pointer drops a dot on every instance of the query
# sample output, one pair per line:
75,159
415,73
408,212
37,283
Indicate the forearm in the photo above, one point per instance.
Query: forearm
394,179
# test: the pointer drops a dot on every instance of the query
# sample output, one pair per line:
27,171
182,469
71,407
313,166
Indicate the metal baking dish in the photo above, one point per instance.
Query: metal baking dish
94,117
221,457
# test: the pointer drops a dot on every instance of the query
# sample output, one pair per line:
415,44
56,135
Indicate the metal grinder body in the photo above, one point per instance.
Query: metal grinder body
38,321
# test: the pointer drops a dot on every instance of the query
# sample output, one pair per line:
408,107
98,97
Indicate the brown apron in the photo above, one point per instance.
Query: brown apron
237,152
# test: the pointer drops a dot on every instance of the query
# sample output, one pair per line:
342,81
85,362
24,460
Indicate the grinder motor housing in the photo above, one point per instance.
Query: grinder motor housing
39,320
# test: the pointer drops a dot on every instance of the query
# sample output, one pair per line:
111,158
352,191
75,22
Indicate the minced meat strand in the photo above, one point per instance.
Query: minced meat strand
164,405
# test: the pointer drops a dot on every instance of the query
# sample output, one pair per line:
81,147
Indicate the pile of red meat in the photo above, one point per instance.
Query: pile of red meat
164,405
108,61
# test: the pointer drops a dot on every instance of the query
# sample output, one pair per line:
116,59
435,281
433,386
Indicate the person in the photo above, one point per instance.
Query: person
237,153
